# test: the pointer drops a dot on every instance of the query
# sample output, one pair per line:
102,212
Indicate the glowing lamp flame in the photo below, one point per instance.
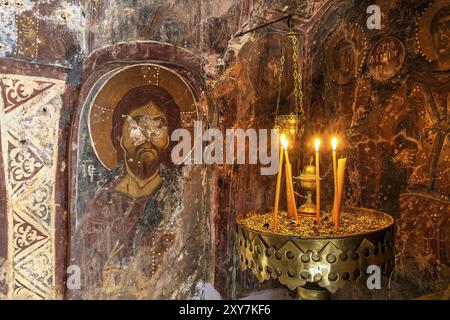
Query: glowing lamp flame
317,144
284,142
334,143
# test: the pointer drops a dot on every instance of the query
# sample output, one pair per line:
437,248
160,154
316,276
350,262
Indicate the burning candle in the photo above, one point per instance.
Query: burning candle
341,174
277,190
317,145
333,147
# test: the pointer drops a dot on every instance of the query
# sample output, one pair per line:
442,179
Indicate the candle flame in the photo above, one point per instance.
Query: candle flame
317,144
284,142
334,143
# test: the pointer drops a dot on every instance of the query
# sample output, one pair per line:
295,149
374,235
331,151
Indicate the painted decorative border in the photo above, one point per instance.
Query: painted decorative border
30,111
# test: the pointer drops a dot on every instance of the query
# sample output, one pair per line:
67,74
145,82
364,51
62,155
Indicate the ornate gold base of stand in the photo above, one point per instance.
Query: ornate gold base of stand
307,209
313,292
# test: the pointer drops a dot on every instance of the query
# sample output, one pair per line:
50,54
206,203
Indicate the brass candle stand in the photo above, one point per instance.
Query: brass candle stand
316,266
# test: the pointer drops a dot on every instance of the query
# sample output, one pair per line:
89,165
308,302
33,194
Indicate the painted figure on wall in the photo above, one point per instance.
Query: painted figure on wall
415,122
429,96
266,61
131,216
351,103
345,53
440,33
344,58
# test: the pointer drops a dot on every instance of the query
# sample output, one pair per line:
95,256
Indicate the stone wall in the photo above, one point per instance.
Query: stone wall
385,93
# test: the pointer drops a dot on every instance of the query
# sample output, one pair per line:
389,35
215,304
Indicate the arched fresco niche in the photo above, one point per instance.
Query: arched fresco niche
133,235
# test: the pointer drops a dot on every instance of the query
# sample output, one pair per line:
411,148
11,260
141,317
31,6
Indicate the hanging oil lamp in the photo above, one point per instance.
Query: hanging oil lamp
293,121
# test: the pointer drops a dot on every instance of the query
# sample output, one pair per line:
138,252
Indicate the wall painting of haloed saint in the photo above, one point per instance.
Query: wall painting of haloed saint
128,191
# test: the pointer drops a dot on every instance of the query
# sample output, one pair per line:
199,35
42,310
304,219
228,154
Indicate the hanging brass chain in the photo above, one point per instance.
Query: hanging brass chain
298,92
279,82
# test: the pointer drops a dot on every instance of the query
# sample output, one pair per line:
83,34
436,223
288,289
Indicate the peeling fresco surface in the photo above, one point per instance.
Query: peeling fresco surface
8,12
27,28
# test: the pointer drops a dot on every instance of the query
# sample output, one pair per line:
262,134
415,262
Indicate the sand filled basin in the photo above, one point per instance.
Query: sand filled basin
351,223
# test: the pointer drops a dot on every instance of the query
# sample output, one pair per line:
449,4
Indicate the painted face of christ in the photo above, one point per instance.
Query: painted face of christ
142,123
145,135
